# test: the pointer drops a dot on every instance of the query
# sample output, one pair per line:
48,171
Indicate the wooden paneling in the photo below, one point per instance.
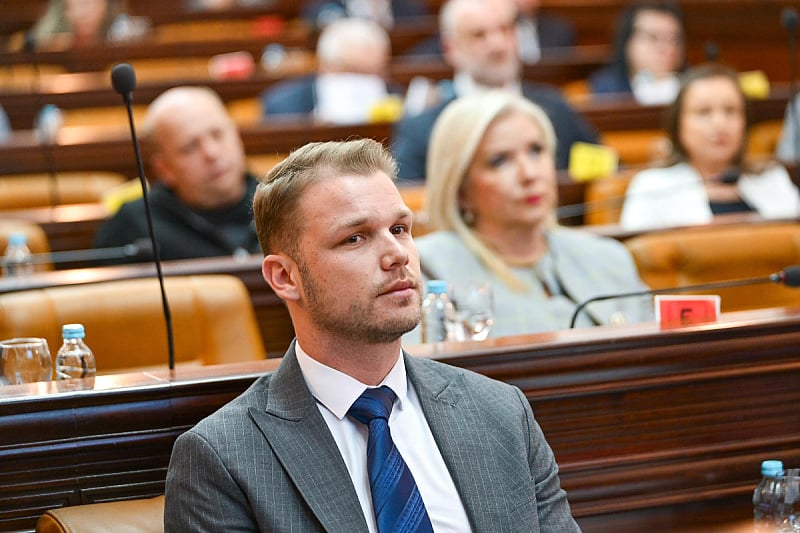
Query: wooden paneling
653,430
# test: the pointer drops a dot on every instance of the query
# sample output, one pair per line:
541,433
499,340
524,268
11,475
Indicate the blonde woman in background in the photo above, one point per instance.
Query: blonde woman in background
491,195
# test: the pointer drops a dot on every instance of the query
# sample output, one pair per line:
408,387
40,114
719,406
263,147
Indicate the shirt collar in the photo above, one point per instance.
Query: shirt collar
465,85
337,391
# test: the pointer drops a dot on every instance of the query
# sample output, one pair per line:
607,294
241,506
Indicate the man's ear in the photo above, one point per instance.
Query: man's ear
161,169
281,273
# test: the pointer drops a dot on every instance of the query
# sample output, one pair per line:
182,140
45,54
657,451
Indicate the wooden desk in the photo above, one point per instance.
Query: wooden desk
653,430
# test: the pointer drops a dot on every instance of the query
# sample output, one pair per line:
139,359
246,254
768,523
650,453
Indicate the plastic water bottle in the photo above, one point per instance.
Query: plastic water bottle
434,323
17,260
74,358
768,497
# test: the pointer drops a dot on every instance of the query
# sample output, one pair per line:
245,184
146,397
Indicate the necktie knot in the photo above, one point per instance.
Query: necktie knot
372,404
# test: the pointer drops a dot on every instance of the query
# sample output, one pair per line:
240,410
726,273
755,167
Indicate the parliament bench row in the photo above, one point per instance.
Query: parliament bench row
653,429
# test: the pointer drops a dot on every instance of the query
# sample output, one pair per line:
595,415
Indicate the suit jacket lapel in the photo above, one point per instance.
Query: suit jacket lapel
458,431
305,448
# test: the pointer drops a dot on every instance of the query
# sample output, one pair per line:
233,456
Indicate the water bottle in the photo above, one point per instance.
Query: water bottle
74,358
434,323
17,260
768,497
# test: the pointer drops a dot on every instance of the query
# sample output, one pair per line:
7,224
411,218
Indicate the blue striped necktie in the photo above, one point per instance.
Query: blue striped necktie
395,497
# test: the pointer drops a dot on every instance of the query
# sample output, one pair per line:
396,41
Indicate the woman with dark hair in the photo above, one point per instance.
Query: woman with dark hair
708,173
649,51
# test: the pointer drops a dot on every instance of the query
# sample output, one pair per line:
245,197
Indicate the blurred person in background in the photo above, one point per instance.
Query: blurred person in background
78,23
5,125
491,196
201,201
353,57
788,149
649,53
480,43
387,13
708,173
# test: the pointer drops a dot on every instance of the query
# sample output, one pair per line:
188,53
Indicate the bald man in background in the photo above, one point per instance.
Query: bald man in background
201,194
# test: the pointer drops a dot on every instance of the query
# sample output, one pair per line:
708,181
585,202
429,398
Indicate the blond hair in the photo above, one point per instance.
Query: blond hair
455,139
276,205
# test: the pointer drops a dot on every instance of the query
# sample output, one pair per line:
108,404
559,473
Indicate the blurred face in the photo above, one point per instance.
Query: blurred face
483,42
200,154
373,60
712,123
85,17
511,182
358,265
656,44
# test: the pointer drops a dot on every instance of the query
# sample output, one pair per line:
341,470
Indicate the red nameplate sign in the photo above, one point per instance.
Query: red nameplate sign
674,310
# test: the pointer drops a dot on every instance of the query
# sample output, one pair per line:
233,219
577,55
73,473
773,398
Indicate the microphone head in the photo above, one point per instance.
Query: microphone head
123,78
791,276
730,176
789,19
711,51
29,42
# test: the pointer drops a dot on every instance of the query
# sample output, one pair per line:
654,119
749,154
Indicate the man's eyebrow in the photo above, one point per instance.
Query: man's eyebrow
354,222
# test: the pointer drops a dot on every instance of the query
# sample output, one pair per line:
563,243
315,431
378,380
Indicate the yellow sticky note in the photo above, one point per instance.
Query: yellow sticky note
754,84
122,194
388,109
591,161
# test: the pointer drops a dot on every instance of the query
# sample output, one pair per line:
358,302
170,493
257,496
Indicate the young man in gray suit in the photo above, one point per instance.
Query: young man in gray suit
350,434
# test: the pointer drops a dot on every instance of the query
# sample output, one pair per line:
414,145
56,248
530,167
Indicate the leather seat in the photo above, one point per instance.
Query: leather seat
688,256
212,316
145,515
21,191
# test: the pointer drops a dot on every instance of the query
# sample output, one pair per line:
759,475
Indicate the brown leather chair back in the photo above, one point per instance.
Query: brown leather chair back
604,198
212,316
674,258
21,191
144,515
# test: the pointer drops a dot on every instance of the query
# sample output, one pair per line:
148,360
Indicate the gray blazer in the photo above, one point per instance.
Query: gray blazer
267,461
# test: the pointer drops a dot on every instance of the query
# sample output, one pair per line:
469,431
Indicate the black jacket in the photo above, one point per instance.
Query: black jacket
182,232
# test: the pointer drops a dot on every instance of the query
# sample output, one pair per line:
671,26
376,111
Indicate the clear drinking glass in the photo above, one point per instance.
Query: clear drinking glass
25,360
470,313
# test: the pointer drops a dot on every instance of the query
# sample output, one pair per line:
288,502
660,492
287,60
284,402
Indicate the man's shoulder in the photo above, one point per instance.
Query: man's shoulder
290,96
583,242
235,412
425,369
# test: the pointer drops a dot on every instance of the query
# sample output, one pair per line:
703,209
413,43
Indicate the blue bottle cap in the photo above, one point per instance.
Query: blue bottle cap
771,468
436,286
73,331
17,239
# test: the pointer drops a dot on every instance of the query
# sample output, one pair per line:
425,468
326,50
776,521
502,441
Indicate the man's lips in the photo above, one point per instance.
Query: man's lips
398,286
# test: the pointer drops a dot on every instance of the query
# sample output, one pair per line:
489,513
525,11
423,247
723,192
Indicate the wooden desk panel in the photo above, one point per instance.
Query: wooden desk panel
660,431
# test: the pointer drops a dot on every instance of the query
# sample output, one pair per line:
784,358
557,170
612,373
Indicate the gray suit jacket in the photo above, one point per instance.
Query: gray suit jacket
267,461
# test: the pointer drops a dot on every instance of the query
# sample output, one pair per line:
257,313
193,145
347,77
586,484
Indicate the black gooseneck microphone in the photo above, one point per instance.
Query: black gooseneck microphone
789,276
789,21
123,79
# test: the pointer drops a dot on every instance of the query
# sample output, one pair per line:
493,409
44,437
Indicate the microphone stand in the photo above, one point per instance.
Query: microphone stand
772,278
123,78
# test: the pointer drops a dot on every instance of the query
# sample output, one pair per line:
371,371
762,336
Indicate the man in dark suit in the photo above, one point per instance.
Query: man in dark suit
480,43
352,62
447,449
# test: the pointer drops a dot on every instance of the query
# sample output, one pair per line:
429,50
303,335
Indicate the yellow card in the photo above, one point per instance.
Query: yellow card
388,109
754,84
122,194
591,161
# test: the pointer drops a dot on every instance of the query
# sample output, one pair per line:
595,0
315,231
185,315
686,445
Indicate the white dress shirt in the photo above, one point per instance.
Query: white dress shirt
335,392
